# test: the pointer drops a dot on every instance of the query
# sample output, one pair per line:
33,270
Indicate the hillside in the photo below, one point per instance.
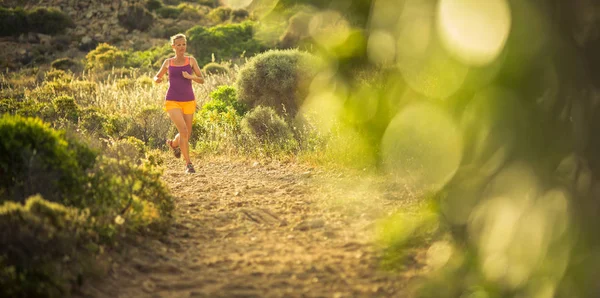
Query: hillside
95,22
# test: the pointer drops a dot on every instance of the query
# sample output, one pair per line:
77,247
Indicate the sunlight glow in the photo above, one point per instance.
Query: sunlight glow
381,47
474,31
518,231
236,4
329,28
422,147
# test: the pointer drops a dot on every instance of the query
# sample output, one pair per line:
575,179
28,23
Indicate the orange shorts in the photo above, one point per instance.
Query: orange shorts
188,107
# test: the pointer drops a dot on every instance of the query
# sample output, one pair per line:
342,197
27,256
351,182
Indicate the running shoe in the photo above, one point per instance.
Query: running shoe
189,169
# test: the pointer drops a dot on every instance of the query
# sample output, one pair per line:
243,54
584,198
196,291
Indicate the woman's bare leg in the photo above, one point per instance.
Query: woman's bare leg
179,119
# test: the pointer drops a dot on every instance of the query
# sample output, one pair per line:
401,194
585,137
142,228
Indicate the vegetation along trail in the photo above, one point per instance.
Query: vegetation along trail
250,229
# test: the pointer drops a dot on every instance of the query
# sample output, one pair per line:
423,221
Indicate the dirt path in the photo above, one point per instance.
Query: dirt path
245,229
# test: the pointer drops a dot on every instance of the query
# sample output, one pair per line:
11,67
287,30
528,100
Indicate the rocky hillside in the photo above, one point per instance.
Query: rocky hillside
96,21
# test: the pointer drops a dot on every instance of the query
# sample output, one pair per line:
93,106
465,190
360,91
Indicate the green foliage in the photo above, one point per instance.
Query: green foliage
56,74
226,95
189,12
13,22
264,125
214,68
168,11
65,64
278,79
136,17
93,121
224,41
104,57
66,108
48,21
47,248
36,159
153,5
220,14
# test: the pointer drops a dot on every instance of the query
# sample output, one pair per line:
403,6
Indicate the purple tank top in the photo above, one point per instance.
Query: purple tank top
180,88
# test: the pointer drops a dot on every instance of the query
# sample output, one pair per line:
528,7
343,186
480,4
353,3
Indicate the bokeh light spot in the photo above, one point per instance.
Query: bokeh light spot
329,28
381,47
422,147
474,31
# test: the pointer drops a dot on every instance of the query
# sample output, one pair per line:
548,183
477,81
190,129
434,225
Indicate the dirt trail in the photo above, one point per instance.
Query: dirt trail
245,229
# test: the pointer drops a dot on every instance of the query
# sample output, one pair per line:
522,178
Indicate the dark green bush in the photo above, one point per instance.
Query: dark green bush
278,79
46,248
136,17
263,124
239,14
224,41
65,64
37,159
170,12
13,22
48,21
214,68
153,5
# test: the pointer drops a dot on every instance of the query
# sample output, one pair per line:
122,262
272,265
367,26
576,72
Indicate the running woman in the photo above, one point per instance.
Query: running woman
180,102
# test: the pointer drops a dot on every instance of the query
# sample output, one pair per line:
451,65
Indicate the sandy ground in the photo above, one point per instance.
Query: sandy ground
249,229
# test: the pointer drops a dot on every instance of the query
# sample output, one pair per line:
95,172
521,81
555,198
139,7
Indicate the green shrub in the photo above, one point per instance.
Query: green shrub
49,21
58,74
46,248
104,57
224,41
66,108
136,17
278,79
220,14
65,64
92,120
239,14
13,22
228,96
169,12
153,5
189,12
37,159
214,68
264,125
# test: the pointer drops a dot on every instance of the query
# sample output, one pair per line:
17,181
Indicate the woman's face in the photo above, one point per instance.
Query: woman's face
179,46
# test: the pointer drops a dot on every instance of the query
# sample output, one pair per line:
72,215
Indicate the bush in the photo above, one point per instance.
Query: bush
37,159
13,22
65,64
264,125
136,17
46,248
220,14
278,79
93,121
224,41
153,5
228,96
169,12
189,12
104,57
66,108
49,21
214,68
